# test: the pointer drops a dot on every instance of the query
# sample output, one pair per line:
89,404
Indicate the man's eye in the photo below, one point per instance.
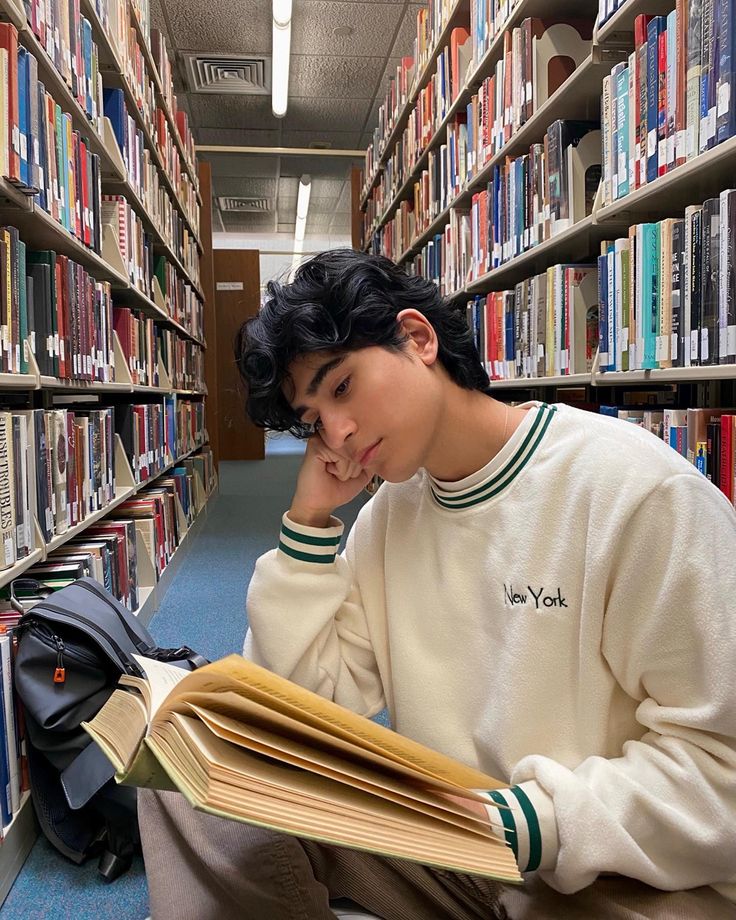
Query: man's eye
343,387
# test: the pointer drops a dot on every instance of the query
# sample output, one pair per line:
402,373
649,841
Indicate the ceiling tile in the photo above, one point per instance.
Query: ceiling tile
288,188
243,188
236,138
228,30
158,21
316,22
316,166
286,226
211,111
327,188
244,165
318,223
337,140
344,201
332,113
404,44
243,222
316,75
341,224
366,139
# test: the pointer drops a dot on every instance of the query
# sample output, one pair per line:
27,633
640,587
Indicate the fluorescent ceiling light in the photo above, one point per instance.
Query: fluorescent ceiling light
302,207
280,57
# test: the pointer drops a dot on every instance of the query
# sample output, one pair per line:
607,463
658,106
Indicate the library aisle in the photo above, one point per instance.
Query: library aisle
205,609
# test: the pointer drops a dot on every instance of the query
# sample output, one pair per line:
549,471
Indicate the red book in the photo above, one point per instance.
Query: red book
9,41
662,104
458,37
681,88
726,483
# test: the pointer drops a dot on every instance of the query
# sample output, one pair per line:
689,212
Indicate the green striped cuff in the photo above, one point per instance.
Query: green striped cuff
317,545
521,827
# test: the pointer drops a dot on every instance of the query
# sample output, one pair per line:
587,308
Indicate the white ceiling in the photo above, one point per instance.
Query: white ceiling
337,82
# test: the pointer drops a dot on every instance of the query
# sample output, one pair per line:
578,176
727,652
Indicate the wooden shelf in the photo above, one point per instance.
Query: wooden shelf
526,383
620,26
705,176
15,571
576,244
666,375
578,97
112,71
161,98
459,15
20,835
58,88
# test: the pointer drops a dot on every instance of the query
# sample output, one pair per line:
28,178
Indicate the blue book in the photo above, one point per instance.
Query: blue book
656,25
87,55
611,304
650,292
6,807
603,312
726,116
622,130
113,102
64,171
23,113
43,172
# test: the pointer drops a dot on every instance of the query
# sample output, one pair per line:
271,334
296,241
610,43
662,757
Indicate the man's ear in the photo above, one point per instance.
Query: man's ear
422,338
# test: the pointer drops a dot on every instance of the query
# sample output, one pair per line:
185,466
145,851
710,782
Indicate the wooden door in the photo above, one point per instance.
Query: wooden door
237,297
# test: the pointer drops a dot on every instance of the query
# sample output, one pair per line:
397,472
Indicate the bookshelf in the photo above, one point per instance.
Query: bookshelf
165,199
426,220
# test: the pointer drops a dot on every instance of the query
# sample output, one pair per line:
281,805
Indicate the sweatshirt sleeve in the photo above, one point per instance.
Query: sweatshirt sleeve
664,811
306,617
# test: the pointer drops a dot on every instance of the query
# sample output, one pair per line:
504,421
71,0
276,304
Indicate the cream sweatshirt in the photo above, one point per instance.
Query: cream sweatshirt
564,620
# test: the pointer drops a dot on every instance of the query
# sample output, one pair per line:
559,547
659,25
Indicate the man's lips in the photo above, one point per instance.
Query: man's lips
367,454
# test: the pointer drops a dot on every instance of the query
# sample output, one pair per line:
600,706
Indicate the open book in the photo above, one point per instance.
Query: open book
243,743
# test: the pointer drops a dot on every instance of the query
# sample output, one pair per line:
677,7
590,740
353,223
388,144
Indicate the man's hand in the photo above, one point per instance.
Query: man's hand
326,481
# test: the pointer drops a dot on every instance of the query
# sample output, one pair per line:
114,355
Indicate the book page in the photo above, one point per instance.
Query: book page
119,727
245,678
289,751
218,777
162,678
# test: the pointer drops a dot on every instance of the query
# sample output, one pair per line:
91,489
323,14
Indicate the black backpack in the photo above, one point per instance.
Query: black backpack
73,646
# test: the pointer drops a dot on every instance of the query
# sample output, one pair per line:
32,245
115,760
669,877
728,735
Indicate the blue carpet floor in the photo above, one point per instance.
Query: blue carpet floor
204,608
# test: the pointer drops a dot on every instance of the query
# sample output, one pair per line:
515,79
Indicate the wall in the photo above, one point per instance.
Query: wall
276,249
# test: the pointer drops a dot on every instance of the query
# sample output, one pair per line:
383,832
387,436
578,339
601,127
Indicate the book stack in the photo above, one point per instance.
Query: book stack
668,292
546,326
40,152
705,437
182,360
674,98
139,343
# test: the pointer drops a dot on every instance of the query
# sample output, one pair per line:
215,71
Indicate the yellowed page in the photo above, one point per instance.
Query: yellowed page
336,768
421,838
162,679
119,727
241,676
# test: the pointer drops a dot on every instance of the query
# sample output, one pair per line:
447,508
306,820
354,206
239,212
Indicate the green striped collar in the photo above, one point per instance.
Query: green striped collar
524,442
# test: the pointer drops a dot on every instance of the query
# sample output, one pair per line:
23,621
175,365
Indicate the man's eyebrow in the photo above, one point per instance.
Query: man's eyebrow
316,381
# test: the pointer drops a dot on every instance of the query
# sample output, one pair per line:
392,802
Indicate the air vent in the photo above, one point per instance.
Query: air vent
222,73
257,205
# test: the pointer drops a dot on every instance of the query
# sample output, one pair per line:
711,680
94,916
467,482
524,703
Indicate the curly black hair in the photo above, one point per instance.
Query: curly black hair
340,301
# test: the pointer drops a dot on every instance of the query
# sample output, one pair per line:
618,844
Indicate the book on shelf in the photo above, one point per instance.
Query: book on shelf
240,742
679,307
682,103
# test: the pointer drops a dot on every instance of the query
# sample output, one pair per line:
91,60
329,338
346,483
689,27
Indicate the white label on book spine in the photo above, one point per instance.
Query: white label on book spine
9,551
711,123
690,141
16,139
724,98
53,504
19,535
671,149
23,147
49,520
694,344
704,352
651,143
673,345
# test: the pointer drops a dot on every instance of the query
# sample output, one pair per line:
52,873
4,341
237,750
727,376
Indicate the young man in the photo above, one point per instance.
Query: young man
544,593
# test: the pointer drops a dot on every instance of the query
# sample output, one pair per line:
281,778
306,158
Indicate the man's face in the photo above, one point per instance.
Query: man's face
376,406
